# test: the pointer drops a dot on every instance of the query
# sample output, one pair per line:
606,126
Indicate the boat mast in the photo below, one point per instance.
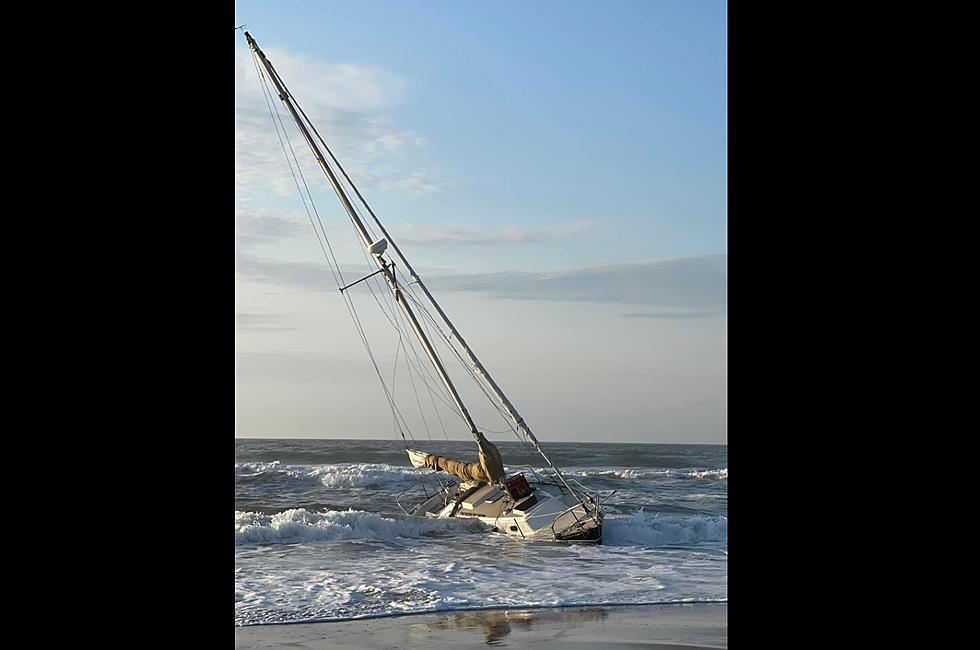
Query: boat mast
383,266
470,355
389,275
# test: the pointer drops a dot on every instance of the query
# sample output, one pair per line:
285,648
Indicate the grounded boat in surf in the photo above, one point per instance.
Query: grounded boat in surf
535,511
548,507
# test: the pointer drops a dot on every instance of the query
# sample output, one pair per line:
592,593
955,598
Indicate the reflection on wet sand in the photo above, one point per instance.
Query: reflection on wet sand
494,625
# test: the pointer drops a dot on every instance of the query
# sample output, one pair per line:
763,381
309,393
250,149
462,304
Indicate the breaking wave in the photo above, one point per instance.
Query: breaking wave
345,475
363,474
633,474
299,525
626,474
384,475
710,473
252,470
642,529
319,536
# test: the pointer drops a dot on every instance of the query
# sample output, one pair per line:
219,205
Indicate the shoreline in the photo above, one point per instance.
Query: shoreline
698,625
492,608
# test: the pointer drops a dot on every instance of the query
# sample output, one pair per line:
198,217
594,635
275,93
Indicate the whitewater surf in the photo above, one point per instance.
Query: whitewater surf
316,538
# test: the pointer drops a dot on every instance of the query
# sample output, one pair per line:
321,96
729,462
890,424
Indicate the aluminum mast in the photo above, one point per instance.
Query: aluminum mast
383,265
389,275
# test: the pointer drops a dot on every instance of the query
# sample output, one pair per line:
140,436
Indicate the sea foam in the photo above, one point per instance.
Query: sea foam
343,475
643,529
299,525
709,473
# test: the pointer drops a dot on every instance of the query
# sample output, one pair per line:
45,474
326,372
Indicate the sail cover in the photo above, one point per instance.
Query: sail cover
490,469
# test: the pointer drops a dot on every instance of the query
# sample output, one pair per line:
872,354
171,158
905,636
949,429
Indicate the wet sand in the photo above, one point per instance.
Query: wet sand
648,626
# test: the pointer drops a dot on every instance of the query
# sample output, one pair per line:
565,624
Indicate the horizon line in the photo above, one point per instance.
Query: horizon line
594,442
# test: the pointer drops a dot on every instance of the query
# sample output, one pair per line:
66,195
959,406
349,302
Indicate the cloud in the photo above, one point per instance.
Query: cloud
261,225
261,322
306,367
347,104
294,275
416,183
670,315
439,235
697,283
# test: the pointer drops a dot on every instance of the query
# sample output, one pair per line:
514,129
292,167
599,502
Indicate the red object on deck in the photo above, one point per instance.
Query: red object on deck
517,486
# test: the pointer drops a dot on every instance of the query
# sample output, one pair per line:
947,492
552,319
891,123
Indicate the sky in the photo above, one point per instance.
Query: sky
556,173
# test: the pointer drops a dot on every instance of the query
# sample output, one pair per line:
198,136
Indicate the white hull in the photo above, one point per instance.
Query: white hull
549,513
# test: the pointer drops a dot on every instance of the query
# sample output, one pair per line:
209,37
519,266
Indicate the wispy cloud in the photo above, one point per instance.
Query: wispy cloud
294,275
262,322
699,282
261,225
693,283
670,315
437,235
347,103
307,367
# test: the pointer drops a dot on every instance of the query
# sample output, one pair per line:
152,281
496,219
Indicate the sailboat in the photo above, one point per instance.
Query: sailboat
547,507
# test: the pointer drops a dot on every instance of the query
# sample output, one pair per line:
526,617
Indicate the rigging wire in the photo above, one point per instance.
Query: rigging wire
432,393
443,393
418,401
332,263
350,183
480,381
440,391
339,166
425,366
402,327
338,188
476,377
399,322
347,300
396,318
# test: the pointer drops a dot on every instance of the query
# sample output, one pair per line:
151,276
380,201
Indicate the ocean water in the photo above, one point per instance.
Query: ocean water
319,535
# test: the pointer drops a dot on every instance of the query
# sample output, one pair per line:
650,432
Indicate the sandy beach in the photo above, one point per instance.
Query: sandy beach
651,626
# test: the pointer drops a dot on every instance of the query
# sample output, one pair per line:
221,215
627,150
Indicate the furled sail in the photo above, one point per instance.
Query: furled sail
489,469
